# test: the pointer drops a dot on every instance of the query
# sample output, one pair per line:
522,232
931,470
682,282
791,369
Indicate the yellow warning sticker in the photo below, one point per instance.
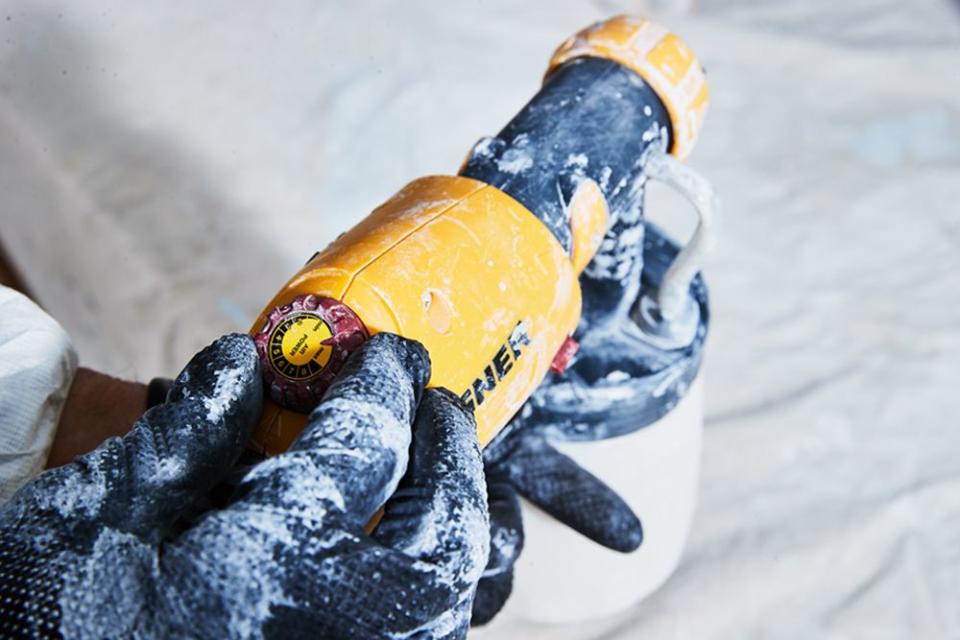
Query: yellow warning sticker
297,349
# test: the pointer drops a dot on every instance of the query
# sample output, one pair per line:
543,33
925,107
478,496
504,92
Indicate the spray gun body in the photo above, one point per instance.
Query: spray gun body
592,119
449,261
483,267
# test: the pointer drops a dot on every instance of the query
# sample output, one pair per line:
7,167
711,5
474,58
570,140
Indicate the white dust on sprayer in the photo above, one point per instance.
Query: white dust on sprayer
517,158
832,136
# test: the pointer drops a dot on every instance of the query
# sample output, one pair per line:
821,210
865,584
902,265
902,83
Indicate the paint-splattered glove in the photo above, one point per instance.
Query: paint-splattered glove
96,549
620,381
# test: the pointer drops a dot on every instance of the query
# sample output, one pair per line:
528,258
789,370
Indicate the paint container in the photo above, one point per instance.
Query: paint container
561,577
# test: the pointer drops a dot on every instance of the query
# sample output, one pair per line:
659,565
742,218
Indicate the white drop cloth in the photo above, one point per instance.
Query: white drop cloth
164,167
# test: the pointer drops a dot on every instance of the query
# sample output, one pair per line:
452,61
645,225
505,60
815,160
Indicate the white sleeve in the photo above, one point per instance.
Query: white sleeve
37,365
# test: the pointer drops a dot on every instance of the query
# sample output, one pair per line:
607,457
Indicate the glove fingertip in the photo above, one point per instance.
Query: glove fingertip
574,496
233,354
233,349
411,354
492,593
625,532
449,410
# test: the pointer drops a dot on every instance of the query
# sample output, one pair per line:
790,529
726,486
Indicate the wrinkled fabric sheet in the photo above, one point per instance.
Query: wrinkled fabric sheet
164,169
37,365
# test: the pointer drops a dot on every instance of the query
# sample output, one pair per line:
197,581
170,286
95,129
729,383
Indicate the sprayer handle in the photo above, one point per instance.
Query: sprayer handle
698,191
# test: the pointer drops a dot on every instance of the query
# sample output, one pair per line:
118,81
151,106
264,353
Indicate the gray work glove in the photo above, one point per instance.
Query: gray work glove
648,381
96,549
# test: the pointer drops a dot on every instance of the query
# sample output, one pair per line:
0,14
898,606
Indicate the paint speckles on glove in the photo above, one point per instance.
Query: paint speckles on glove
88,550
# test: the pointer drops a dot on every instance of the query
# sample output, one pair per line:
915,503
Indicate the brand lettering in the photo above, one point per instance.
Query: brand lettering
500,365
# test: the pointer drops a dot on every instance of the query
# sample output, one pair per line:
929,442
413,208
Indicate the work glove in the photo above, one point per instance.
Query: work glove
99,548
621,380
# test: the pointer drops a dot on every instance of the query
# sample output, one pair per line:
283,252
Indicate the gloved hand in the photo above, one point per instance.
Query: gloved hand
621,380
94,549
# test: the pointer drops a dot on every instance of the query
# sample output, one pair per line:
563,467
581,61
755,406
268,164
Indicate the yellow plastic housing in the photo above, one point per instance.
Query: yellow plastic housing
466,270
660,58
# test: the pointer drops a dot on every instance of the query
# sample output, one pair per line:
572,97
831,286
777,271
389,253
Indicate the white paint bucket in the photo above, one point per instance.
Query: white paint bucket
562,577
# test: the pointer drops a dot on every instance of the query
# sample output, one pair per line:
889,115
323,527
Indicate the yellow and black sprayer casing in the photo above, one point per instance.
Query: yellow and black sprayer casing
466,270
482,268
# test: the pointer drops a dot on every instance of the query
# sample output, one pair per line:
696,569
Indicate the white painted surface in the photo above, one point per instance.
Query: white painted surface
163,168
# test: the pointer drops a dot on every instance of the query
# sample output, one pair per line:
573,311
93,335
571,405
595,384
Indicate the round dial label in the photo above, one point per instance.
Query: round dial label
300,346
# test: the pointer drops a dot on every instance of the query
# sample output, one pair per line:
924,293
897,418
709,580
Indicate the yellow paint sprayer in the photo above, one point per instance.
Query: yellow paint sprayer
482,267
